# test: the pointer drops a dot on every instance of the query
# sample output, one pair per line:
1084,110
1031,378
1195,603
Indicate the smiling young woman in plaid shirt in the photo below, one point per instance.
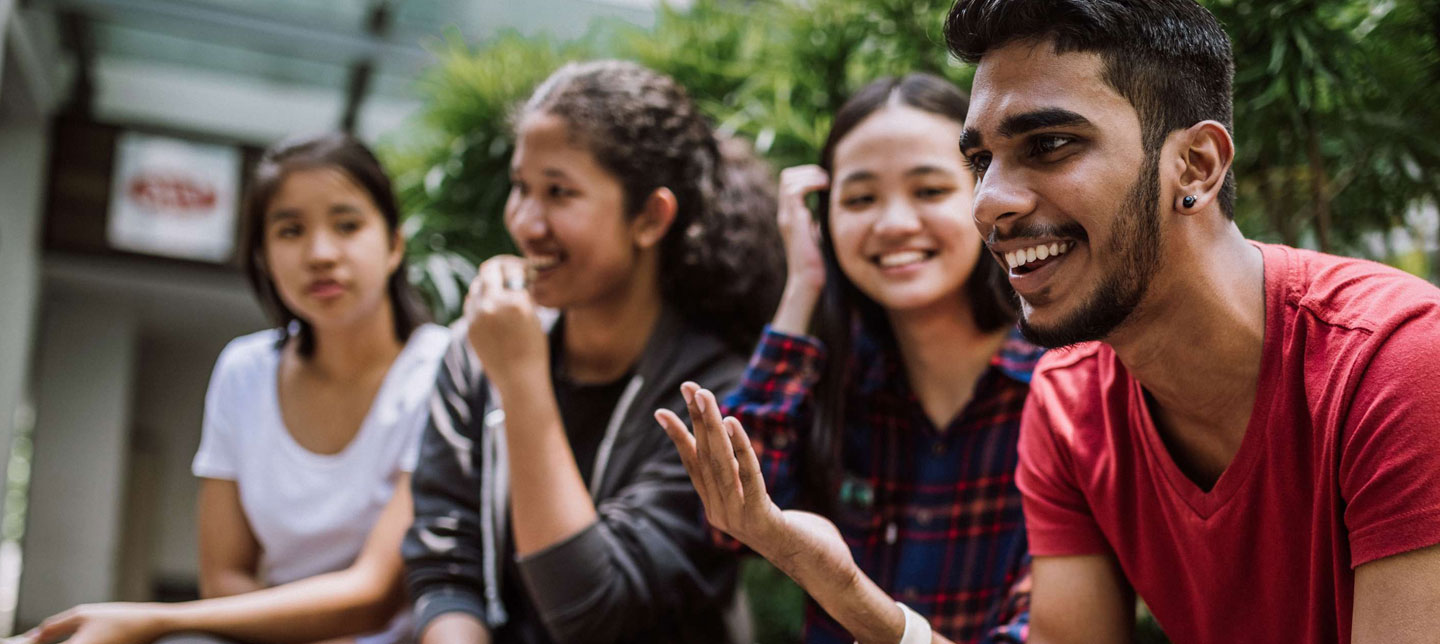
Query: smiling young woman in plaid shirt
898,419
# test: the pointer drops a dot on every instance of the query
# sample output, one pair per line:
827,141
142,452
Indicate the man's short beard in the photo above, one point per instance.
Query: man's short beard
1135,244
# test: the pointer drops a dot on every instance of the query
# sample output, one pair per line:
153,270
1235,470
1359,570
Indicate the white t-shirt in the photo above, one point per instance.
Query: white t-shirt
311,513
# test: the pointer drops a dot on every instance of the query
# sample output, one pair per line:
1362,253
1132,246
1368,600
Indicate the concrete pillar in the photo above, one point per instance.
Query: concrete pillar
24,155
84,380
27,98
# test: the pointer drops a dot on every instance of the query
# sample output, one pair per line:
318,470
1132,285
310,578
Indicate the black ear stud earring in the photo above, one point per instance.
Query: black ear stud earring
1189,201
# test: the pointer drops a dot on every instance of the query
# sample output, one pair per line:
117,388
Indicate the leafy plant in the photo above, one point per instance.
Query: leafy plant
1335,117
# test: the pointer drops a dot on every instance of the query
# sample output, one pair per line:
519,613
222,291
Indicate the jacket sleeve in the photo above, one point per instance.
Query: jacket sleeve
775,403
441,549
645,567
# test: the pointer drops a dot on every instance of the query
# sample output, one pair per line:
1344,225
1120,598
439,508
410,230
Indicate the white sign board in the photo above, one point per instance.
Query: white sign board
174,198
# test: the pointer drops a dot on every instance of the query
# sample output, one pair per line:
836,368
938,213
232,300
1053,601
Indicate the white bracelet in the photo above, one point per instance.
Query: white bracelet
917,628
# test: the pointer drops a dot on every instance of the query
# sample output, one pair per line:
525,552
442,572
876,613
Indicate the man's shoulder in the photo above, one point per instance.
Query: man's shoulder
1083,362
1078,402
1075,382
1348,294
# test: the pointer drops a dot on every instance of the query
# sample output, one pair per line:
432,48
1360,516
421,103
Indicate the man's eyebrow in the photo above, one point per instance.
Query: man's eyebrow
1017,124
969,139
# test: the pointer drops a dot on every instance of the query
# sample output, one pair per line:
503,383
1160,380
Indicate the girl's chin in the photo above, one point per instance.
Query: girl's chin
914,297
548,296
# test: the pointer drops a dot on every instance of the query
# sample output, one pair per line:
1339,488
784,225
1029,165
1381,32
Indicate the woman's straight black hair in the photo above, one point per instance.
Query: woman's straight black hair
342,152
844,311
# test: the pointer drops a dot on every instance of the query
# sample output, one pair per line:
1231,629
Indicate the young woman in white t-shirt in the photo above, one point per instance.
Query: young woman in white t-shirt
311,428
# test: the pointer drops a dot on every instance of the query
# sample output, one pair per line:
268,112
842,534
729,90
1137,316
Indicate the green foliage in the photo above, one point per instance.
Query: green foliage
777,605
777,71
1336,116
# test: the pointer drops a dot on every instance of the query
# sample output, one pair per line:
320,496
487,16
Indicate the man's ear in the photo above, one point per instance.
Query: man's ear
1202,160
655,217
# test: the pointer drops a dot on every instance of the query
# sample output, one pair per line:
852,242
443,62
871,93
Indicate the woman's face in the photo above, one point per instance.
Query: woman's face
327,248
900,219
567,215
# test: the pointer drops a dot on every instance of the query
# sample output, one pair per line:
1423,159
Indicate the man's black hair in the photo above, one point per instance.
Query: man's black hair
1170,58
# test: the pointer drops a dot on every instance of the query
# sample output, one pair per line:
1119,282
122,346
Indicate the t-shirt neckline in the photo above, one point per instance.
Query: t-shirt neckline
287,439
1206,503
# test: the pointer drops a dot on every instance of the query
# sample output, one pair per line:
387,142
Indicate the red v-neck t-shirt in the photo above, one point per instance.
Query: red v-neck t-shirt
1339,466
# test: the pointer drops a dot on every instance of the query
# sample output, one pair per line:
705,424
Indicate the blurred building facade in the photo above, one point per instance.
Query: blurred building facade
106,351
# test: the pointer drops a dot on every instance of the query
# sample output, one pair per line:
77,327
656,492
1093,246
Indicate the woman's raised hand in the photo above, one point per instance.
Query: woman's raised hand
504,329
805,270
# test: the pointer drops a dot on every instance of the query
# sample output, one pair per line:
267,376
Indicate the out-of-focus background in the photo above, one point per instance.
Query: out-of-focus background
126,127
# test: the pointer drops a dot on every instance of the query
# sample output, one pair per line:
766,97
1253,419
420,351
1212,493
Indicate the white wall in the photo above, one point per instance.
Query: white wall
182,319
167,433
84,378
24,153
28,81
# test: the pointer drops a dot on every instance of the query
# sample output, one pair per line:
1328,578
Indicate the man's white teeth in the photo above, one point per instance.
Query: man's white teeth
542,262
1022,257
901,258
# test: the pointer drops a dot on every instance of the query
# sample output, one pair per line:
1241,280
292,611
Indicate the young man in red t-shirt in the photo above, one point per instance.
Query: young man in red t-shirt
1248,435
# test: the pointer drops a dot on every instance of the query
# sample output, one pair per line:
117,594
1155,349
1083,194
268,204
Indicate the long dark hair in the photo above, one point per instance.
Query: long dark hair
643,129
345,153
844,311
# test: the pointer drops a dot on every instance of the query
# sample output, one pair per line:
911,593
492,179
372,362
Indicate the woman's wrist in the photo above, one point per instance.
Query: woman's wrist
162,618
513,380
797,305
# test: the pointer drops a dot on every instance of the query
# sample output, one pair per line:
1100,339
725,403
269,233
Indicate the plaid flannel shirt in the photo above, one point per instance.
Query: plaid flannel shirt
932,516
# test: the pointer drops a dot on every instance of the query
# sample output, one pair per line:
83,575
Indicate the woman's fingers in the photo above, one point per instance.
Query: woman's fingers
795,184
490,280
801,180
57,627
513,276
